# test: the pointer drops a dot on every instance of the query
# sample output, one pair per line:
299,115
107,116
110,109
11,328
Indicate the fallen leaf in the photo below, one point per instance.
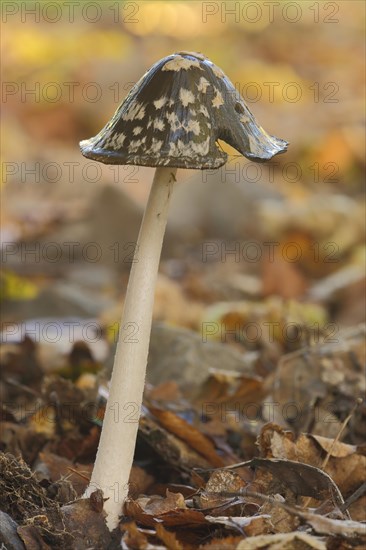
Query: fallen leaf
337,449
251,526
54,468
220,483
180,517
173,450
168,538
226,543
21,440
327,376
287,541
166,391
346,466
84,523
139,481
192,436
156,505
133,537
281,520
229,387
32,538
328,526
161,488
301,479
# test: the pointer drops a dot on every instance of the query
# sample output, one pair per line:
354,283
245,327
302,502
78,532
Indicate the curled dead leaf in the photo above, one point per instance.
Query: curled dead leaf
174,517
168,538
346,465
191,435
133,537
335,448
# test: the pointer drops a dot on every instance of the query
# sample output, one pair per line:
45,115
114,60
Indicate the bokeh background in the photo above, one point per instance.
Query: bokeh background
296,225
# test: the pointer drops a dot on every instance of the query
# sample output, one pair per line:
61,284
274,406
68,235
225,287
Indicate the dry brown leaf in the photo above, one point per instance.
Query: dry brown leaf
77,447
168,538
183,519
281,520
157,505
287,541
21,440
139,481
274,442
161,488
85,523
166,391
325,377
224,481
192,436
251,526
346,466
54,467
348,529
357,509
328,526
173,450
180,517
32,538
227,543
220,482
134,509
335,448
133,537
226,387
301,479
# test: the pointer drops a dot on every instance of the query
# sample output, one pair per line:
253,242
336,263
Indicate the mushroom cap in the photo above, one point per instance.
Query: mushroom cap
174,115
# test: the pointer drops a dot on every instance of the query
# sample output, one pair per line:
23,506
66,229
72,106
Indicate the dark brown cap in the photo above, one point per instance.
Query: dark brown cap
174,116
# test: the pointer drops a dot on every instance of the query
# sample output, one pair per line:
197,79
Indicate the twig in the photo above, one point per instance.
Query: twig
341,429
87,478
355,496
335,441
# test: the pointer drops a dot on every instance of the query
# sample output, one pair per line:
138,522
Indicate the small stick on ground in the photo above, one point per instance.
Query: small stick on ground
335,441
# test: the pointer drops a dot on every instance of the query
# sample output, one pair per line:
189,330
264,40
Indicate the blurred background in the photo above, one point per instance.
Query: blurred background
282,240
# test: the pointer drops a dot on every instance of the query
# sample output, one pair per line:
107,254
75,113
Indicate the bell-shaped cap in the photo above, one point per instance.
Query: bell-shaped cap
175,114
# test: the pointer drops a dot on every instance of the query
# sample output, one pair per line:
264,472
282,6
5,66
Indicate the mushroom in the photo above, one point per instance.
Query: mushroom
172,118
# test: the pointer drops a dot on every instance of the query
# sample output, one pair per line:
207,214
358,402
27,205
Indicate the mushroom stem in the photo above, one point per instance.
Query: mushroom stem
118,438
